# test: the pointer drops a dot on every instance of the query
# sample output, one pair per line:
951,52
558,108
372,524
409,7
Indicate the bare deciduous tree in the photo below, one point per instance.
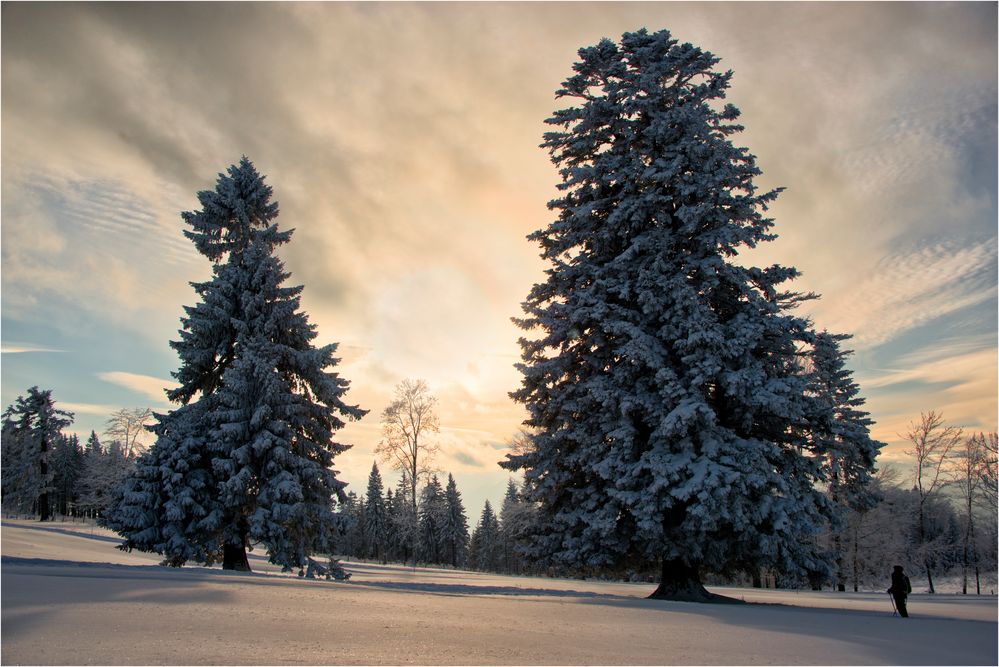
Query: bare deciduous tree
987,471
127,426
932,443
405,424
966,467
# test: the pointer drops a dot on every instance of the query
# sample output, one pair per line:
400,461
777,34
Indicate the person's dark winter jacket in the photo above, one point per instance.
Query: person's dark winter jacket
900,589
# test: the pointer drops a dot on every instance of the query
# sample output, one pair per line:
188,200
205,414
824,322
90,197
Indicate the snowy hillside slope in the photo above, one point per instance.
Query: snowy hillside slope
69,597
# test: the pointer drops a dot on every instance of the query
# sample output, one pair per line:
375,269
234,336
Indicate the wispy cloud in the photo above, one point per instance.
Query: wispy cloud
906,290
98,409
954,377
92,245
935,363
23,348
925,131
147,385
467,459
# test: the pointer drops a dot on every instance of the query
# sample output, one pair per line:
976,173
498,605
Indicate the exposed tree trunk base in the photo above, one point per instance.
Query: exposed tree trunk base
44,513
681,583
234,558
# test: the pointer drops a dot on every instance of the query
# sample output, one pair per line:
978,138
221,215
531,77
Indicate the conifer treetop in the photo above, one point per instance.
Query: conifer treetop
238,211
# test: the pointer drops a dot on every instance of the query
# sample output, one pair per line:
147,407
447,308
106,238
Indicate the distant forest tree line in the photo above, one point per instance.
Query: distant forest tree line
947,529
46,472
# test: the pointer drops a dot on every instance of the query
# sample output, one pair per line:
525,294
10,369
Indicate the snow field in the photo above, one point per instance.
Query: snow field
69,597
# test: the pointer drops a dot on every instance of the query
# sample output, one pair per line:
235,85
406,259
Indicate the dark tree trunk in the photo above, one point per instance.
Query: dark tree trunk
757,579
43,507
43,498
234,555
840,564
682,582
856,557
922,542
234,558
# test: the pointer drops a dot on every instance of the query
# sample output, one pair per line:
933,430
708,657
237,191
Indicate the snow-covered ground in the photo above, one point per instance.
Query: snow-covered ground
69,597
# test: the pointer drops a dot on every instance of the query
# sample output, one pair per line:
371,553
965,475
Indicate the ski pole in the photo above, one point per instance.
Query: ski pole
893,607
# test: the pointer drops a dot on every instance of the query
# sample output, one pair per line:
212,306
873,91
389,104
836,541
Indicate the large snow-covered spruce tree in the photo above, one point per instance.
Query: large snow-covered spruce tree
666,394
247,456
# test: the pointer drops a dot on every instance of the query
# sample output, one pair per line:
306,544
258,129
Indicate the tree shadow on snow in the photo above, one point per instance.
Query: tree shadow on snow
466,590
48,528
919,640
72,569
35,588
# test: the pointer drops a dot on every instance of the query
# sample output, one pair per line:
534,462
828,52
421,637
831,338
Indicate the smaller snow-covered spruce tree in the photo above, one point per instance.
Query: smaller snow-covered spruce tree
402,523
841,430
455,529
485,550
31,429
509,561
666,393
93,445
247,455
433,510
376,517
516,525
353,526
67,470
103,474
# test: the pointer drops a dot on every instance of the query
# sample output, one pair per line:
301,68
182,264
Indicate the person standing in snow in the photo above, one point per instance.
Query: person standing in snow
900,588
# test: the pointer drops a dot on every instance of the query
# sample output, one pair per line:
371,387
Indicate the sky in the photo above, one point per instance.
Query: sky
401,140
